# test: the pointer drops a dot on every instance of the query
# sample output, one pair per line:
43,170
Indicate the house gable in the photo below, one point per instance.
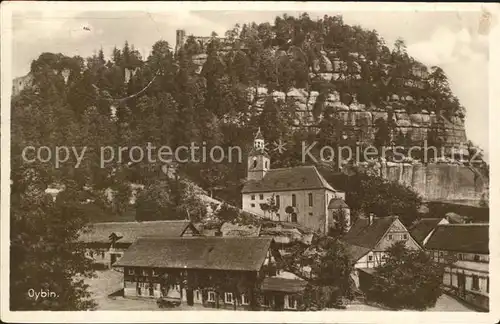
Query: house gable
190,230
396,232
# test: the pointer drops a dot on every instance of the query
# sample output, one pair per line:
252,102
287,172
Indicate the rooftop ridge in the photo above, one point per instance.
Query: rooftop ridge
465,225
159,237
142,222
294,167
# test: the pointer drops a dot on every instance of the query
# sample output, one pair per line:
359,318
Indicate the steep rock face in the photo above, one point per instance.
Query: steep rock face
361,119
435,181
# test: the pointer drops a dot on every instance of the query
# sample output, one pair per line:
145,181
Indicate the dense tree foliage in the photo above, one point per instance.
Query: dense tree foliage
367,193
408,280
326,266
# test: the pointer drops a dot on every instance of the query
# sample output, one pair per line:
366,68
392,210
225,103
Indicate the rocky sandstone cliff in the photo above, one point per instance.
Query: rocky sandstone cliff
361,119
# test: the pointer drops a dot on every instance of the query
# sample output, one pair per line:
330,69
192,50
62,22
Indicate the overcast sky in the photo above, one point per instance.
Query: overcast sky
452,40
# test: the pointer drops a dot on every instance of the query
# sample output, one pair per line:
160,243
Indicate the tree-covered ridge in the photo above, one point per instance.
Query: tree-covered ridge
165,99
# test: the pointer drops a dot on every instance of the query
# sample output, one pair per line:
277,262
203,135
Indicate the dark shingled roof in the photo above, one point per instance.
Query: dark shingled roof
356,252
468,238
364,235
283,285
284,179
423,227
130,231
337,203
216,253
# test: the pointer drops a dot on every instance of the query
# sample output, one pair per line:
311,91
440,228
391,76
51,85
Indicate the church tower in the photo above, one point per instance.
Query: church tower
258,159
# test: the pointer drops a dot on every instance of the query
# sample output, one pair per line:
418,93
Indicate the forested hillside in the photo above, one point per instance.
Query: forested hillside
220,94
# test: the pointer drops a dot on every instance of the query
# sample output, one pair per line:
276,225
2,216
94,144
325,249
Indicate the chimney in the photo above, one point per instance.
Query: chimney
370,219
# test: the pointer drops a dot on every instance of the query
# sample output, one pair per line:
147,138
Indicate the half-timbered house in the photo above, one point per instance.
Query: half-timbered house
218,272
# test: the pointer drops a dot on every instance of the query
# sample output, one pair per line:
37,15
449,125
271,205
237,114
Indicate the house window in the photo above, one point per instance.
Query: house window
154,272
460,256
267,301
131,271
252,205
294,200
291,302
228,298
102,254
244,299
441,254
252,197
211,296
267,165
370,258
261,197
476,257
405,236
475,282
310,214
310,196
389,237
278,201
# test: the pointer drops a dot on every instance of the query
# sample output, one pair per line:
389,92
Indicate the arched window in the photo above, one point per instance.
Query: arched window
310,196
267,165
254,163
294,200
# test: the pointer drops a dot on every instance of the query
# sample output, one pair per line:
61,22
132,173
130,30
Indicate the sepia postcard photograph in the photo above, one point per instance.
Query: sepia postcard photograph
248,162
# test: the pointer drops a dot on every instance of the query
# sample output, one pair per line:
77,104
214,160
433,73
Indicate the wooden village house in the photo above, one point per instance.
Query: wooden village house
106,242
464,249
214,272
368,240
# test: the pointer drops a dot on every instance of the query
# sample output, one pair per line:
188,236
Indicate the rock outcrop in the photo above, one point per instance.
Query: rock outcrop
361,119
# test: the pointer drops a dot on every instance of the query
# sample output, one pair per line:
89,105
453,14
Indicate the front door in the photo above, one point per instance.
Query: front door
190,297
279,302
461,284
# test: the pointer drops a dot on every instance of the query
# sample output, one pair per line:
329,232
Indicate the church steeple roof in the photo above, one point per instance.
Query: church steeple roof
258,135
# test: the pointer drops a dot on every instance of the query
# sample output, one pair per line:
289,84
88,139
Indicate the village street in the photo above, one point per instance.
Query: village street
109,281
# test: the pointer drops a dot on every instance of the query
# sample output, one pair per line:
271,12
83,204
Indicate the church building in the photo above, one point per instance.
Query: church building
299,195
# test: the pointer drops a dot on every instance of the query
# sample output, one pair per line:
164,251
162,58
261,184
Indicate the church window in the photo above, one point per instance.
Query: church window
294,200
267,164
261,197
254,163
252,205
310,196
278,201
253,197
